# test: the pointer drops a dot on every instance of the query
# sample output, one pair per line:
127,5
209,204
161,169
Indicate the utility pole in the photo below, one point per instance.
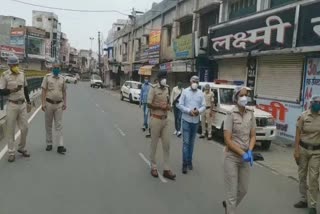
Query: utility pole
99,55
91,39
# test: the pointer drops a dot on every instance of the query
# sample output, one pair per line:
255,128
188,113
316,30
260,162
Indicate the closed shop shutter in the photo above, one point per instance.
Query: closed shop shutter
279,77
232,69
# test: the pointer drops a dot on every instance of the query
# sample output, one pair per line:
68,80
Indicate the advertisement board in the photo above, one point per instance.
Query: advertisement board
154,47
285,114
183,47
311,81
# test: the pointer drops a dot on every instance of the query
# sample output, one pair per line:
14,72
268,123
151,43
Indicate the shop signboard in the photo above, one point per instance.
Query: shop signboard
271,31
154,47
311,80
17,40
251,72
6,51
285,114
183,47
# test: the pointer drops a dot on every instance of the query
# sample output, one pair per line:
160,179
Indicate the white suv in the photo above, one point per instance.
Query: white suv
266,127
131,90
96,81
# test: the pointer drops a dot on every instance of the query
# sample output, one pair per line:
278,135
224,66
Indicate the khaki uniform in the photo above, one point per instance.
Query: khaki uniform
55,87
16,113
205,116
309,162
236,171
159,127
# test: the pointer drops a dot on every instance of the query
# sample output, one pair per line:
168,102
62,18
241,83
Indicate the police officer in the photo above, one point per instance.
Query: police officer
14,85
158,102
206,116
240,138
53,104
307,154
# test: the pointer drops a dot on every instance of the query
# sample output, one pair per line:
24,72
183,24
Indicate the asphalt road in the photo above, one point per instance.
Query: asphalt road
104,170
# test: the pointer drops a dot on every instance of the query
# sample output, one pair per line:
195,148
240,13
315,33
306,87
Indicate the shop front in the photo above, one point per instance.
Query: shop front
267,52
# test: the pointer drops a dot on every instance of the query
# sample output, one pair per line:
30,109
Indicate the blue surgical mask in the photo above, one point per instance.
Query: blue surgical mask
56,71
315,107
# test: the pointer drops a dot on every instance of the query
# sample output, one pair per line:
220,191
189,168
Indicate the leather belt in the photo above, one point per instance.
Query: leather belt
17,102
309,147
52,101
208,107
160,117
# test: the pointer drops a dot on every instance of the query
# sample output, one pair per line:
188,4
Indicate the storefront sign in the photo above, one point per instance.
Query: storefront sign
311,81
273,31
309,25
154,47
183,47
251,73
17,32
17,40
166,67
285,114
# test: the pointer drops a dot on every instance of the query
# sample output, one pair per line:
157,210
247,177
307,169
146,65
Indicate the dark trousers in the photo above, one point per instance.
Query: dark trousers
177,118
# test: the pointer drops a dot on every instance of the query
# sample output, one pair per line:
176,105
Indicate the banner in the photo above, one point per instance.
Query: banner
285,114
17,40
154,47
154,38
6,51
311,81
183,47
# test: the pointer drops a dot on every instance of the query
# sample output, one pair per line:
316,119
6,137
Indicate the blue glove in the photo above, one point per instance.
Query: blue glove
250,157
246,157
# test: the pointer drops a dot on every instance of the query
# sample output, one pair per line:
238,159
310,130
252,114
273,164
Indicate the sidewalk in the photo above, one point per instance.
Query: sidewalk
279,159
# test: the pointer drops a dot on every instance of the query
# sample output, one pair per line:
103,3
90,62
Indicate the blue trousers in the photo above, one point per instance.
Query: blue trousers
145,115
177,118
189,135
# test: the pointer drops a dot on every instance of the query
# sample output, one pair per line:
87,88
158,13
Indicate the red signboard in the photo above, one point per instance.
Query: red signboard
11,50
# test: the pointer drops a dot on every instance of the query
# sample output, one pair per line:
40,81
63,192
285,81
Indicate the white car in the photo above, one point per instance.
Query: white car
96,81
223,92
70,78
131,90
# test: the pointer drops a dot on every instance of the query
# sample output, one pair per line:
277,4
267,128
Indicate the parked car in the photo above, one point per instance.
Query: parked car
223,92
96,81
70,78
131,90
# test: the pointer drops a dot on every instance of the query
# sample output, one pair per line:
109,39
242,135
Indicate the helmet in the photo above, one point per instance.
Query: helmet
13,60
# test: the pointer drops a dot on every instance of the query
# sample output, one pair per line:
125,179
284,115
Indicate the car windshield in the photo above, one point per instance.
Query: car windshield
96,77
136,85
226,95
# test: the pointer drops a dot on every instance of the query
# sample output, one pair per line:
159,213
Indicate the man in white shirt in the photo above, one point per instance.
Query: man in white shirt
175,96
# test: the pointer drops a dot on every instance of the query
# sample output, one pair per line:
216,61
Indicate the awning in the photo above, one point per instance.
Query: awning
146,70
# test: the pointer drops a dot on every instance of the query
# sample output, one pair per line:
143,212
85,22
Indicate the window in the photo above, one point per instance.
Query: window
120,48
118,28
169,35
139,45
64,58
49,19
241,8
136,85
147,40
186,27
125,48
277,3
226,96
207,20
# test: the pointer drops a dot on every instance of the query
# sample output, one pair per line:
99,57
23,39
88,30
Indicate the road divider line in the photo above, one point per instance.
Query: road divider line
17,135
119,130
162,179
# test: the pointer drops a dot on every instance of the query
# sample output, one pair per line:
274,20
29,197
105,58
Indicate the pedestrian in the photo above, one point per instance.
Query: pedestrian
206,116
240,138
155,82
159,103
54,97
143,102
14,85
307,155
174,100
192,104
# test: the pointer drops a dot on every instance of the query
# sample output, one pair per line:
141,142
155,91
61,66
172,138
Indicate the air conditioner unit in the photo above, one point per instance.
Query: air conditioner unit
201,45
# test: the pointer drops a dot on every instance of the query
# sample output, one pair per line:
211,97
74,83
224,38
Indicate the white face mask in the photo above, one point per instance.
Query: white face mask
243,101
194,86
163,82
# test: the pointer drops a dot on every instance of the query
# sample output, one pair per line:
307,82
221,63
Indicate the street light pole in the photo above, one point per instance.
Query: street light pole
91,39
99,55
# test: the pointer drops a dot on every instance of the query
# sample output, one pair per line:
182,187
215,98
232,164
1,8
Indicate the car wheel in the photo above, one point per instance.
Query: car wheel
130,98
265,145
121,96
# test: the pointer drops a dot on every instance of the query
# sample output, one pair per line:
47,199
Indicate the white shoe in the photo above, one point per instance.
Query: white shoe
179,134
175,132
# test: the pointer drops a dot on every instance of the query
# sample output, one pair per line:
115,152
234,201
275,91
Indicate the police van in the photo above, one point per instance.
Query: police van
223,93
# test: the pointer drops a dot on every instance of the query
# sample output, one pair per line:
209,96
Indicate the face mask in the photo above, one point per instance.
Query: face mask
56,71
243,101
194,86
15,69
315,107
163,82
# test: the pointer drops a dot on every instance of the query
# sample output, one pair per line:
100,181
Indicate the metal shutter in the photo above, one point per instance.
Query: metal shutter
233,69
279,77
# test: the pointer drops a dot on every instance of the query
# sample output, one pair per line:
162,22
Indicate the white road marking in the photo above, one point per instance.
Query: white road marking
17,135
162,179
119,130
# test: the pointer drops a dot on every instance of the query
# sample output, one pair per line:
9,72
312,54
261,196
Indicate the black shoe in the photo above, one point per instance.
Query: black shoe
24,153
143,129
202,136
209,138
11,158
312,211
184,169
61,150
49,148
301,204
148,135
190,167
